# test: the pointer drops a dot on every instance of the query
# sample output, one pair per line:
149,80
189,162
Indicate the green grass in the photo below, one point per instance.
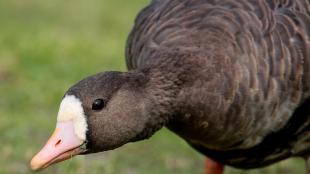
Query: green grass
45,47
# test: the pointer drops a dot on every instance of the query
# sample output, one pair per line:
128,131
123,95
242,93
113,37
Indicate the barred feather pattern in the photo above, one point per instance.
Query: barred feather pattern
243,74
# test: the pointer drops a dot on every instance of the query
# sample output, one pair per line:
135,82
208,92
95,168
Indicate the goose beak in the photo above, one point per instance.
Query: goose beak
62,145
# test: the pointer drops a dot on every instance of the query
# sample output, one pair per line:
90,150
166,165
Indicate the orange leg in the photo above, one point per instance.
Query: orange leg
213,167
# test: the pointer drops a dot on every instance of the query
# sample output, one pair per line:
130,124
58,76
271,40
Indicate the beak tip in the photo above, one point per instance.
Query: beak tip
35,164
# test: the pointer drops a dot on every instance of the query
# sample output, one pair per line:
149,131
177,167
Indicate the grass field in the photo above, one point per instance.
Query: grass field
48,45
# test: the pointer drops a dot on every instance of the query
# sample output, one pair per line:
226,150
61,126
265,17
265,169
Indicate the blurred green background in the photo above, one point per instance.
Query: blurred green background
48,45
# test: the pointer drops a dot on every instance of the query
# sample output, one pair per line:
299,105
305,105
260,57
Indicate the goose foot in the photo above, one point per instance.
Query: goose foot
213,167
307,159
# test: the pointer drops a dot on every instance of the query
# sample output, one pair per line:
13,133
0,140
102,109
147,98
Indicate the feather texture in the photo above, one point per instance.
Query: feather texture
240,72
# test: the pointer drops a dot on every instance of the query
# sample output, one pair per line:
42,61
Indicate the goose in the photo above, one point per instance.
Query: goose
230,77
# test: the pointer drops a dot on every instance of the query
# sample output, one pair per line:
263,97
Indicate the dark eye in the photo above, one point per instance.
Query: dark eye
98,104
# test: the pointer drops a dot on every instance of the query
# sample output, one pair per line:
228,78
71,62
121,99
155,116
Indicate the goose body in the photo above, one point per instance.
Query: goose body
231,77
249,68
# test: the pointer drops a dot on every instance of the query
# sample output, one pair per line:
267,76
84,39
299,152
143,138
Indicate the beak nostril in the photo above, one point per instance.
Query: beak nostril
58,142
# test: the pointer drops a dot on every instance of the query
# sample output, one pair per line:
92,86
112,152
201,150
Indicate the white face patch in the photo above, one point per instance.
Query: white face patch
71,110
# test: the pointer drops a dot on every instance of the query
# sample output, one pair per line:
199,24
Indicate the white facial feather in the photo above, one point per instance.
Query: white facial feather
71,110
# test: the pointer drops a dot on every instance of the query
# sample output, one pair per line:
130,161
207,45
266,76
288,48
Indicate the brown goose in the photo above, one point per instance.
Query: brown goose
231,77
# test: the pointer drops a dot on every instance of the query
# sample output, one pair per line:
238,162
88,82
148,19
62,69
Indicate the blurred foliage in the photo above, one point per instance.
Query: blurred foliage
48,45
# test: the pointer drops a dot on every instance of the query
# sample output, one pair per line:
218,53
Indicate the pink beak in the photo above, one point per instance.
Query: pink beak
62,145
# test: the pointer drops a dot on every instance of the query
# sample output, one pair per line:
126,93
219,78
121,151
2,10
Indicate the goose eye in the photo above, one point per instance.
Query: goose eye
98,104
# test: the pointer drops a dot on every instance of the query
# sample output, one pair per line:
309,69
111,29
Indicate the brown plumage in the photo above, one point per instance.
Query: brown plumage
244,68
231,77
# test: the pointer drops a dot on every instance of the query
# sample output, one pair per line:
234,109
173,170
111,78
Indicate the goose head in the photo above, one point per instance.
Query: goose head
99,113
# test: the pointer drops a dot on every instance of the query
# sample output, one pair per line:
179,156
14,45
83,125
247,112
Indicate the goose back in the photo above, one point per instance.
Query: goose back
248,73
